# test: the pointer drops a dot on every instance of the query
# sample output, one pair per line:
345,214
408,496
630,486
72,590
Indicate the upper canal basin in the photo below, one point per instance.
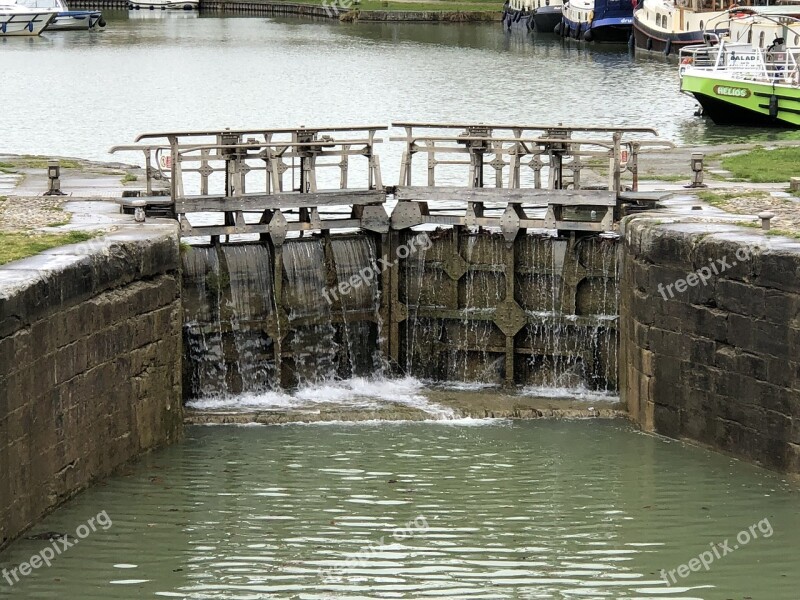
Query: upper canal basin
467,509
85,92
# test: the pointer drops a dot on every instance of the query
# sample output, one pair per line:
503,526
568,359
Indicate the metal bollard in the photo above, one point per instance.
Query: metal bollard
138,210
54,177
766,217
697,170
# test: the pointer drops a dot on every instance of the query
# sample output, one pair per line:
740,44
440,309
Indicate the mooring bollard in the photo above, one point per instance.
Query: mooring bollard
697,170
766,217
54,177
138,210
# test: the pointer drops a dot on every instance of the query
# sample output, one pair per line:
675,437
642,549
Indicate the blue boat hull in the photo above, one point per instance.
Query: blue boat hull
605,30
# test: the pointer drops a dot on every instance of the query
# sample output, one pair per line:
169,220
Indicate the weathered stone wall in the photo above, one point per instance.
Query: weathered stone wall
90,366
714,362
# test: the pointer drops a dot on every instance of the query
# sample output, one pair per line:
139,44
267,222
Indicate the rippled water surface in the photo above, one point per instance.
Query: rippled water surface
587,509
75,93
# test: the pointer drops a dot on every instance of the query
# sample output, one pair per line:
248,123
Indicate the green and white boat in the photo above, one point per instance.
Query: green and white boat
739,83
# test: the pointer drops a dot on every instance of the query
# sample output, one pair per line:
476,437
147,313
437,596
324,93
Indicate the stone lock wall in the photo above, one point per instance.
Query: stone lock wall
715,362
90,366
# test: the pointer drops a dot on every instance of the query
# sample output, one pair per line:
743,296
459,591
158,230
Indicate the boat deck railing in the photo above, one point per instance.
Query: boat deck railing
744,62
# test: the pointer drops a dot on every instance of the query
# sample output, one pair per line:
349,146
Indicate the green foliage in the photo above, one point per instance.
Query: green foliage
14,246
765,166
665,176
721,199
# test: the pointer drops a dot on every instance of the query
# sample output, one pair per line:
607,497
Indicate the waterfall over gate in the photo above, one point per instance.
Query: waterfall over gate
253,323
493,260
445,305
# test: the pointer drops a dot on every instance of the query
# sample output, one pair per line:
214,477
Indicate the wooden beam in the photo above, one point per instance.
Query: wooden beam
252,228
655,196
240,132
518,126
260,202
516,195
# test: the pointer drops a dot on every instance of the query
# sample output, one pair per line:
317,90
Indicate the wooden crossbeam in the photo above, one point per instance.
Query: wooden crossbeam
515,195
258,228
260,202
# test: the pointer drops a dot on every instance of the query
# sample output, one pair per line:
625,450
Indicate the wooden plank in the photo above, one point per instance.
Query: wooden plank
240,132
455,220
524,127
205,230
654,196
517,195
260,202
133,201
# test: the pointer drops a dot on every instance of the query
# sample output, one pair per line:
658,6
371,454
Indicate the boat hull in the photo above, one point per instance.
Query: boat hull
24,24
171,5
546,18
652,40
517,19
613,30
78,20
736,102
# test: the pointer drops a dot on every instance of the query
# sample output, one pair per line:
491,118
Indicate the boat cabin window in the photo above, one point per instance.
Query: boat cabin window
749,36
702,26
38,3
761,40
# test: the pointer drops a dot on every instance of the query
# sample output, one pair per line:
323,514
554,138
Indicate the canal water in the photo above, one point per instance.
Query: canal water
84,93
482,509
447,509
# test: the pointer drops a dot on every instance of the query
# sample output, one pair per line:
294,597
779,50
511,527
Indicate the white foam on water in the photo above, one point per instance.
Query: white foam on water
457,421
361,393
245,402
355,393
569,393
465,386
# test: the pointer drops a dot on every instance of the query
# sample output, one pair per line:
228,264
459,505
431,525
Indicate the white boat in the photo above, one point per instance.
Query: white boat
543,15
597,20
164,4
741,83
18,20
762,26
668,25
66,19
